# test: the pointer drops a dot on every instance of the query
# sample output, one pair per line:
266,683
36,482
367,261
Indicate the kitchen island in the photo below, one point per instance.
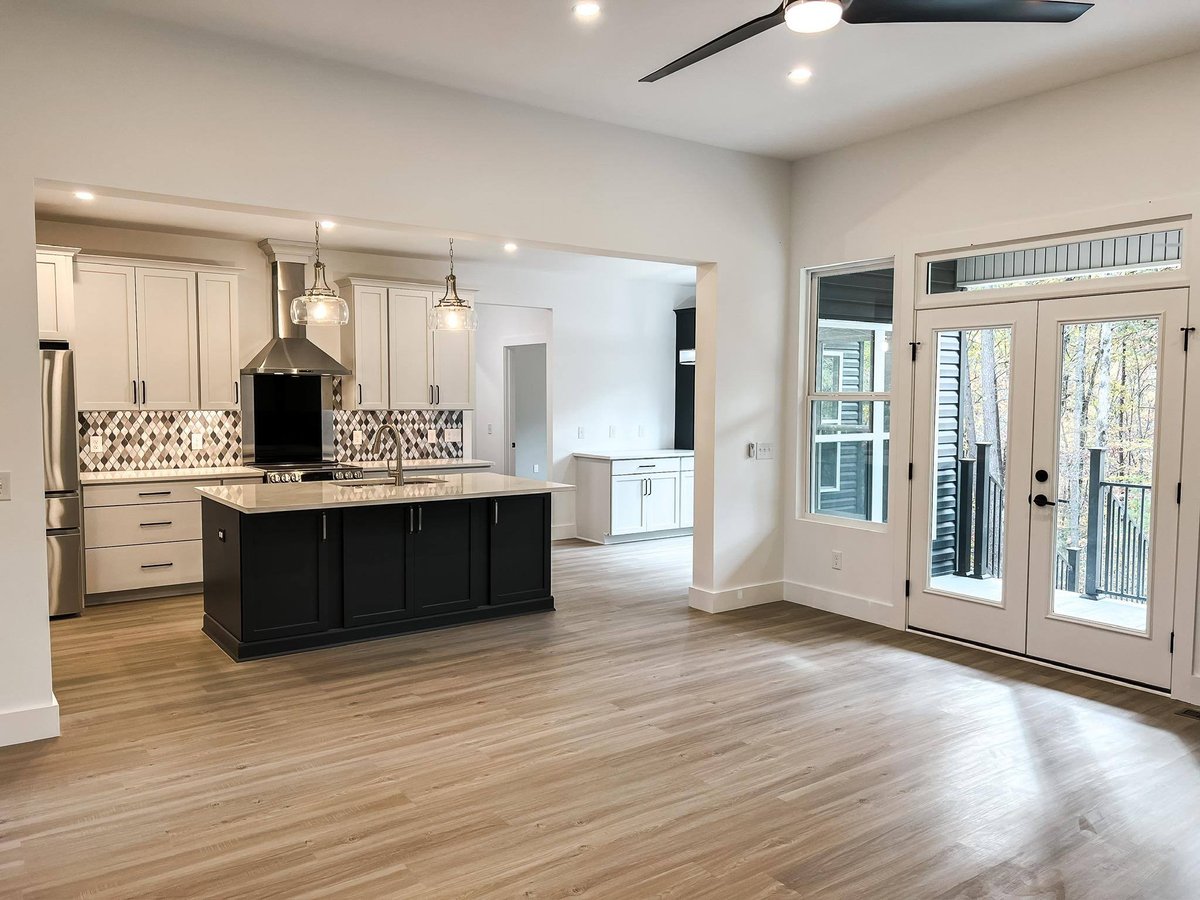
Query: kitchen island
291,567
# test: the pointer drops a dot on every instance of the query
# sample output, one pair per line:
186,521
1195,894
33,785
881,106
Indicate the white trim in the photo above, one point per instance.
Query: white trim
566,532
878,612
724,601
143,263
35,723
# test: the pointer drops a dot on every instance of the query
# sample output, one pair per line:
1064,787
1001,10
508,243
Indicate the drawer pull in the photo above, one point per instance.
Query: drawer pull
155,524
646,466
158,565
154,493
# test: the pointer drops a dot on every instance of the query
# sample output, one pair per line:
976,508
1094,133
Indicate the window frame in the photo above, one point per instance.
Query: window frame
813,359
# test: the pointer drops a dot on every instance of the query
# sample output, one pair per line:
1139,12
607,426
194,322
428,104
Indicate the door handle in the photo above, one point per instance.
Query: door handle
143,392
1041,500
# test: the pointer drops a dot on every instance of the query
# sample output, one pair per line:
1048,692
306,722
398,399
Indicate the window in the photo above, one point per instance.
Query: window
848,398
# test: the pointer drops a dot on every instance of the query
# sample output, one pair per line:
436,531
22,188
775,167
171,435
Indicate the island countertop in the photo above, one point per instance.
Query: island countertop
269,498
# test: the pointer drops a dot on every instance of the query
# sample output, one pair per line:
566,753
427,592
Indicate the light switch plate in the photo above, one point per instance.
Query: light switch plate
489,427
454,435
197,441
431,437
358,438
764,450
581,431
96,444
5,485
612,431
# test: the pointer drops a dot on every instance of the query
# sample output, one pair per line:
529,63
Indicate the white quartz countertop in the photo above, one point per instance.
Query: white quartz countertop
141,475
638,454
268,498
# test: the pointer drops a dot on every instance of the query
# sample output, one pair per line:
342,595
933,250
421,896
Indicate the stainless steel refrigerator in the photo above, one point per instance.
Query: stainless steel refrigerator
60,447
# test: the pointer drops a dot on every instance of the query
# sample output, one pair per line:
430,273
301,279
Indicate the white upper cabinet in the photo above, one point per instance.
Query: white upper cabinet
454,366
105,342
153,337
56,293
365,347
410,347
168,339
217,306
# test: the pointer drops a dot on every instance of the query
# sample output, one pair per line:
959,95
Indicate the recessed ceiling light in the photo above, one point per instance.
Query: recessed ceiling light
811,16
510,247
328,223
587,9
84,195
800,75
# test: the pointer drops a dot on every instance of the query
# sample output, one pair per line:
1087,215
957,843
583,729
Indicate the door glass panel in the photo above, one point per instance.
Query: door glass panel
970,454
850,458
1106,450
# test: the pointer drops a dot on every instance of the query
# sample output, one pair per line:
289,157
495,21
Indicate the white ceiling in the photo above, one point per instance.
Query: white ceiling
58,202
870,79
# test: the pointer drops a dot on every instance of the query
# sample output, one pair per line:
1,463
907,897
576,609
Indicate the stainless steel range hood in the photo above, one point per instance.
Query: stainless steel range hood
290,352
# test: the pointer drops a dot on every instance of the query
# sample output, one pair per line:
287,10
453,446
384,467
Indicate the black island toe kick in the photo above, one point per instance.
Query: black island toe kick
283,582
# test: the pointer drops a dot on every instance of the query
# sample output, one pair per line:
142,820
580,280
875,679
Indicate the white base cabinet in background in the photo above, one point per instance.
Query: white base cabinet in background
622,499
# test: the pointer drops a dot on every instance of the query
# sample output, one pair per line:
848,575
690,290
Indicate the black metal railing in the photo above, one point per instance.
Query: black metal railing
1118,535
979,541
1066,570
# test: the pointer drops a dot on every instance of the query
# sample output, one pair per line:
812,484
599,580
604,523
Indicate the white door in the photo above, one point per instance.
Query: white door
661,503
218,321
370,331
168,341
1111,477
628,495
687,499
105,340
453,372
1046,452
409,348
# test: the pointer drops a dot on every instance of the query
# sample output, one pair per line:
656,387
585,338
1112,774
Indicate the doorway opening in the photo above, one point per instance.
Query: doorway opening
526,410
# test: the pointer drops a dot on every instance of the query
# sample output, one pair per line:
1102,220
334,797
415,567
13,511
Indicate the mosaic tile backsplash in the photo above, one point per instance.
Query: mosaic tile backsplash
134,441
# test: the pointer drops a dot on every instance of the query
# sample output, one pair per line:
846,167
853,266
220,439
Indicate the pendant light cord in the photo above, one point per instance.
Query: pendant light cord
451,256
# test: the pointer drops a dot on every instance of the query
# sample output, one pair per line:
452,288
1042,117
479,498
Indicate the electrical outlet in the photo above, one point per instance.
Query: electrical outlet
197,440
581,432
641,431
536,468
489,427
837,560
739,594
5,485
431,437
454,435
612,431
96,444
358,438
764,450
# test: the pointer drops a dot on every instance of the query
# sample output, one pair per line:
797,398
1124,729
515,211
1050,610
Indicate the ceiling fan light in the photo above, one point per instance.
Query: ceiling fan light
812,16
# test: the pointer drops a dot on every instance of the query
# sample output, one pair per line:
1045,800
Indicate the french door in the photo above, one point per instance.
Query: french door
1046,462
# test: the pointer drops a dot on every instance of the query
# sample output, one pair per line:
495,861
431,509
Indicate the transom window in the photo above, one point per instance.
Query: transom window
849,393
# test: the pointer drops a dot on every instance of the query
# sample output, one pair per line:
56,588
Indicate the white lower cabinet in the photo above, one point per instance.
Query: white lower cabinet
626,499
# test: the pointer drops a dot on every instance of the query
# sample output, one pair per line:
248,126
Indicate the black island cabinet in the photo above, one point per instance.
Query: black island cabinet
280,582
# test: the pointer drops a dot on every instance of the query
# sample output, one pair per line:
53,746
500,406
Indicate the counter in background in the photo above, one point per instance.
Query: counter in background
634,496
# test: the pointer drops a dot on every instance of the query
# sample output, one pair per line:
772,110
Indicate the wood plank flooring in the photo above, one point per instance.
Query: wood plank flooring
622,747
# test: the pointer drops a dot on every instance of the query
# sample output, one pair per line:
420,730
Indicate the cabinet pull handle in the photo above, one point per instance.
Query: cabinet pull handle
155,524
420,518
650,482
411,513
646,465
135,391
438,391
360,395
324,531
237,392
158,566
431,395
496,508
143,392
154,493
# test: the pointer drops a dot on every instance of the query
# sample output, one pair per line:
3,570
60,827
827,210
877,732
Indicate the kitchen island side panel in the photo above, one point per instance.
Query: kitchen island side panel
222,533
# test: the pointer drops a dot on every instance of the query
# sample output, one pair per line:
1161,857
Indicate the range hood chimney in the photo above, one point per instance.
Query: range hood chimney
289,352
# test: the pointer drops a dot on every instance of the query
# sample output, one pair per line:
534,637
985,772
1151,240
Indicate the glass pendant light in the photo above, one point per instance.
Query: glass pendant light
320,304
452,313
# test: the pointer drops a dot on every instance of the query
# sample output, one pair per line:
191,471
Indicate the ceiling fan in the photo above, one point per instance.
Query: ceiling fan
809,16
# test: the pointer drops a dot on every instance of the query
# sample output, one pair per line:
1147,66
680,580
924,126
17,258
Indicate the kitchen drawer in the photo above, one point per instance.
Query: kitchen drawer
687,464
150,523
143,492
644,466
143,566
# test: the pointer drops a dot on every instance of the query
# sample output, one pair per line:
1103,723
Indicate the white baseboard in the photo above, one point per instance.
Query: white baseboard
850,605
36,723
563,532
724,601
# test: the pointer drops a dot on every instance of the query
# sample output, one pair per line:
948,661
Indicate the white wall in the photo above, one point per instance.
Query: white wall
95,98
1126,140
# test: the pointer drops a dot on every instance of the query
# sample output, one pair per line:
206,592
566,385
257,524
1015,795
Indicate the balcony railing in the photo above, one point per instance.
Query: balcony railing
980,518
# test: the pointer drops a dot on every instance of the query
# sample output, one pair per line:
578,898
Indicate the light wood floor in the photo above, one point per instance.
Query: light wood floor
622,747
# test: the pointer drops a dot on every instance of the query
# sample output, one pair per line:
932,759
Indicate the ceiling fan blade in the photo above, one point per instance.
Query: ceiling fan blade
724,42
860,12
